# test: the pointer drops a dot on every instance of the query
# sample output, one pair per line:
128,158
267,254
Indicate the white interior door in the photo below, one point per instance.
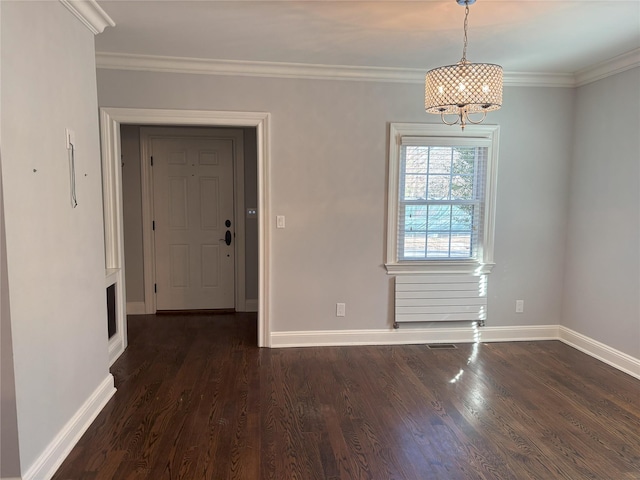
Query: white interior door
194,222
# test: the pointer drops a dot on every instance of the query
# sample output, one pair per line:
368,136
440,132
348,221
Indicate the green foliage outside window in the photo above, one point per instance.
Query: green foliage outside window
438,201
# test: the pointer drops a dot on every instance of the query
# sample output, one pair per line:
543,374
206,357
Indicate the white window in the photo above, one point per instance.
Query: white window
441,198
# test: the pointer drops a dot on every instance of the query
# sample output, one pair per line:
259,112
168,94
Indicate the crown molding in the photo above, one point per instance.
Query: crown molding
532,79
154,63
602,70
90,14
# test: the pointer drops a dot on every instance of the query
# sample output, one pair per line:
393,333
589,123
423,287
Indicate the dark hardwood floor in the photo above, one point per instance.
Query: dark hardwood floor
198,400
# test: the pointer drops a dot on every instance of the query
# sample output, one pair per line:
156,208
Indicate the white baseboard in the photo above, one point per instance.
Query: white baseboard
411,336
408,336
401,336
50,460
136,308
526,333
116,348
251,305
615,358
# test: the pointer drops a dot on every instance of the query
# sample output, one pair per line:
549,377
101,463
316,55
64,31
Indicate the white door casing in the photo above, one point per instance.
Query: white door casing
193,211
110,120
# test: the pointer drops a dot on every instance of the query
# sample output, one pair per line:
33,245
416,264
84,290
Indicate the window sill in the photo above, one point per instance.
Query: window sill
439,266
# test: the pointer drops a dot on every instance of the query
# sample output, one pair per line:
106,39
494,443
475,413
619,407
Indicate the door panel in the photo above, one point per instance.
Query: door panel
210,195
178,203
210,265
193,198
179,270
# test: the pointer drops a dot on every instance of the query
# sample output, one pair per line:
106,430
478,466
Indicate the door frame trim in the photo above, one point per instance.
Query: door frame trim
147,134
110,121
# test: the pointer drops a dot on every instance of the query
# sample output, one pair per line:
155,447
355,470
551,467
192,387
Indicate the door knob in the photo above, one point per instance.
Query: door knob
227,238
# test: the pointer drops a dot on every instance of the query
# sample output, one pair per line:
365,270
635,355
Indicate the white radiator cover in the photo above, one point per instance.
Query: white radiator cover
440,298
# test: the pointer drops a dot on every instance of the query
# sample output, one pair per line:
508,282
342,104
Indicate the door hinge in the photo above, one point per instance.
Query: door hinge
152,160
155,288
153,225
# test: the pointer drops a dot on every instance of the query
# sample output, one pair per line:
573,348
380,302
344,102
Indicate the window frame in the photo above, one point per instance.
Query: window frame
483,134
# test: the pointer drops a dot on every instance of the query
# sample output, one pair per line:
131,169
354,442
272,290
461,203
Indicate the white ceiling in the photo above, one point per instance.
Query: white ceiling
540,36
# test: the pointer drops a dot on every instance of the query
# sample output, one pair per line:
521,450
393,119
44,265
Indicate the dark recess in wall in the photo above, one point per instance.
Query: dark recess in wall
111,310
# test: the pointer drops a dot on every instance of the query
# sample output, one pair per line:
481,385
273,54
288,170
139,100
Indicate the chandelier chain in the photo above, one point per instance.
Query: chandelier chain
466,22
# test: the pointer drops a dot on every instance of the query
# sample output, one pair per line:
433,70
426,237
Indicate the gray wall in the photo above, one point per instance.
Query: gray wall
251,224
132,212
9,449
132,201
329,174
602,288
55,254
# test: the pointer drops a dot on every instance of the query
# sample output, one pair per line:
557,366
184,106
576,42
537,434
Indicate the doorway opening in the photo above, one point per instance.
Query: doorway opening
112,119
190,218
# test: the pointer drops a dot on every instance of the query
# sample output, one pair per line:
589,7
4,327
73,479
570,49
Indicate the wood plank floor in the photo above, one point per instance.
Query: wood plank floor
197,400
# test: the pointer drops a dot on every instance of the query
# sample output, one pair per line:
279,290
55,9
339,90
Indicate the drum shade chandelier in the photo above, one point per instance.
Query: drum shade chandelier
464,88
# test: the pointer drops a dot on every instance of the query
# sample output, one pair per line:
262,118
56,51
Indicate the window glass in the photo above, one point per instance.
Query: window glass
439,201
439,207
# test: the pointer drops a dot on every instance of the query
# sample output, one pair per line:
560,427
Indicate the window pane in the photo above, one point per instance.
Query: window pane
440,160
440,201
437,245
462,187
414,245
439,217
439,187
415,187
463,160
417,159
460,245
462,218
415,218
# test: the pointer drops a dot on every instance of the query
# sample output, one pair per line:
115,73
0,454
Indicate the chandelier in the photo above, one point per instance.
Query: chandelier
464,88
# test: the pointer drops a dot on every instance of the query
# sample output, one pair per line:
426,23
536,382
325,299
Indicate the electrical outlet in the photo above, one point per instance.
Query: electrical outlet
519,306
341,309
280,221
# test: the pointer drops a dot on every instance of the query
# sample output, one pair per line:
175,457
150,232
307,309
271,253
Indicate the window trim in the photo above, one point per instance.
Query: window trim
484,262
